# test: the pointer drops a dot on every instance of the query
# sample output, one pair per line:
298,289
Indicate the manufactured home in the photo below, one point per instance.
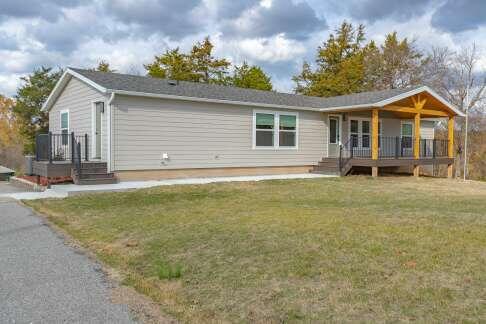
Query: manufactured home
109,126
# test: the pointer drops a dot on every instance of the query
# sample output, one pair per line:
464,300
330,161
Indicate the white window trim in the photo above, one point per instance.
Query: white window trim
64,111
276,132
340,121
93,129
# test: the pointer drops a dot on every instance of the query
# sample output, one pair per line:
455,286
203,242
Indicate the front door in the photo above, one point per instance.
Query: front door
334,139
98,130
360,137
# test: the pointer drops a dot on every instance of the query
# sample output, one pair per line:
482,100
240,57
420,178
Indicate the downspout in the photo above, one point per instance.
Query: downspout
110,123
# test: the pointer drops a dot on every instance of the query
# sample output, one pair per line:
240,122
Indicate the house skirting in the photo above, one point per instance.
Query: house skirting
140,175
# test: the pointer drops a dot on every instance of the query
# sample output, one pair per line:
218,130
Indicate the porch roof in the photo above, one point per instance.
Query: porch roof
134,85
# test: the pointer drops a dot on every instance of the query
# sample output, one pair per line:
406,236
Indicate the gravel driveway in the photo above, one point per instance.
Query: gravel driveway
43,280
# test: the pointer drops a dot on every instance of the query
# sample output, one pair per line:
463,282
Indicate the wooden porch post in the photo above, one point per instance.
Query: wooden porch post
374,140
450,147
416,146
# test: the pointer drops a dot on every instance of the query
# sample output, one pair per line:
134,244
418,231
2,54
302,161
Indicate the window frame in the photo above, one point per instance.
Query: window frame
406,122
61,129
276,131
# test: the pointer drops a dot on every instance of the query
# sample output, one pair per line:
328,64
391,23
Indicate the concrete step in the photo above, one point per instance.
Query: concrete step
94,170
94,164
96,181
326,172
85,176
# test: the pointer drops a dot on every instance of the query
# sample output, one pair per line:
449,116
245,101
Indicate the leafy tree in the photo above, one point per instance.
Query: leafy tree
340,65
396,64
103,66
205,66
199,65
11,147
29,99
171,65
246,76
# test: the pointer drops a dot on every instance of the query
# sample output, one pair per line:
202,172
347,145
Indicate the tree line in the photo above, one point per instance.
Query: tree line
346,62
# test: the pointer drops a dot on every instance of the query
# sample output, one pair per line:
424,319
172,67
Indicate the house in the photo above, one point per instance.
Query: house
107,125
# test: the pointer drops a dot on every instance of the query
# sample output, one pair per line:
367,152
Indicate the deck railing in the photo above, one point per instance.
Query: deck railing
60,147
392,148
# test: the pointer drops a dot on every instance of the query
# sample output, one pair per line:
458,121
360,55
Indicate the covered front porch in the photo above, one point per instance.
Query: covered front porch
399,133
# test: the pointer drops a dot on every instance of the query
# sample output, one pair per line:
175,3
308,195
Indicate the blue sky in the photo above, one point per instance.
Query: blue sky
275,34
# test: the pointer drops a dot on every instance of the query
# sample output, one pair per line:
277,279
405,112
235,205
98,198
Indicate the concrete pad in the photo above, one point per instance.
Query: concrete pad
63,191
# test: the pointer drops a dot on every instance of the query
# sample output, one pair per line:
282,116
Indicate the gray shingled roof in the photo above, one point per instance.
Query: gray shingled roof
134,83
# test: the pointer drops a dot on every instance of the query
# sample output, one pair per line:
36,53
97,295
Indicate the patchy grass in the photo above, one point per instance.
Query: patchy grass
339,250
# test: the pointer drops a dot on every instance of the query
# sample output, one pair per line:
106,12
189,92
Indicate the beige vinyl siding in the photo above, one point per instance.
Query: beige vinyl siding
77,97
203,135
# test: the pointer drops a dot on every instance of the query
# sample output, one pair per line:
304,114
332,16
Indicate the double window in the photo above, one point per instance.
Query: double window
64,117
275,129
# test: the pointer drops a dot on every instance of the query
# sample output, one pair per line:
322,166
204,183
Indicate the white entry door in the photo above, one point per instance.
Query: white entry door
97,129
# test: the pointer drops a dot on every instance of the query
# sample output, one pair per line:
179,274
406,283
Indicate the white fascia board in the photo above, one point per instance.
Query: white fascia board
419,90
222,101
397,98
66,76
57,88
87,81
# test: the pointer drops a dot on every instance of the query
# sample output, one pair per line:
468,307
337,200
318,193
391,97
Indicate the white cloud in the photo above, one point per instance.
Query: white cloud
273,49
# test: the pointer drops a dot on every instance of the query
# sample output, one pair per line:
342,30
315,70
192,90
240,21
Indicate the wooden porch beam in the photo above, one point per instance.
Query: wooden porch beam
416,146
450,148
374,139
414,111
374,133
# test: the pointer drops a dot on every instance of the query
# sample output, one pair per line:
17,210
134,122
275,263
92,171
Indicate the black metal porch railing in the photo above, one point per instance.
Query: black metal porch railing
392,148
60,147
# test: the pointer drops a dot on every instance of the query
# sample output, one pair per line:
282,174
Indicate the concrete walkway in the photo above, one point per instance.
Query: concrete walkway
63,191
42,280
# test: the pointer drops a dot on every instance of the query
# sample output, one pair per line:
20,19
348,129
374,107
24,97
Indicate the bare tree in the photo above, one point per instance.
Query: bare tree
454,75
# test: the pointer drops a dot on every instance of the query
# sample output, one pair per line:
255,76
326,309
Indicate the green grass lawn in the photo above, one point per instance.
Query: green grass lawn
339,249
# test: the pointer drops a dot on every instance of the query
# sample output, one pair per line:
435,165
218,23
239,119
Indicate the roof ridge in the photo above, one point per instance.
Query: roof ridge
203,84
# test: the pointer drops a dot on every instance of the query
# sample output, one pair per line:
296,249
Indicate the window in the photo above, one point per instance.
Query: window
265,130
287,130
334,130
365,131
65,127
406,134
275,130
354,132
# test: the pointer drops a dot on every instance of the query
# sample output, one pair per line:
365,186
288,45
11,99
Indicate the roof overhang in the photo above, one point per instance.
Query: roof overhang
63,81
393,99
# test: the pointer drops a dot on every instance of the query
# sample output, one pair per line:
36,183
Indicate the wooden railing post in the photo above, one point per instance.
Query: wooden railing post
397,147
86,147
434,144
49,147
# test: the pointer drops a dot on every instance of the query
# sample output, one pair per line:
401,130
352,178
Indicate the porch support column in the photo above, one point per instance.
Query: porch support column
416,146
374,140
450,147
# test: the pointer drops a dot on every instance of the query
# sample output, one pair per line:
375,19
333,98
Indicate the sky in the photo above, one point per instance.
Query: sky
277,35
